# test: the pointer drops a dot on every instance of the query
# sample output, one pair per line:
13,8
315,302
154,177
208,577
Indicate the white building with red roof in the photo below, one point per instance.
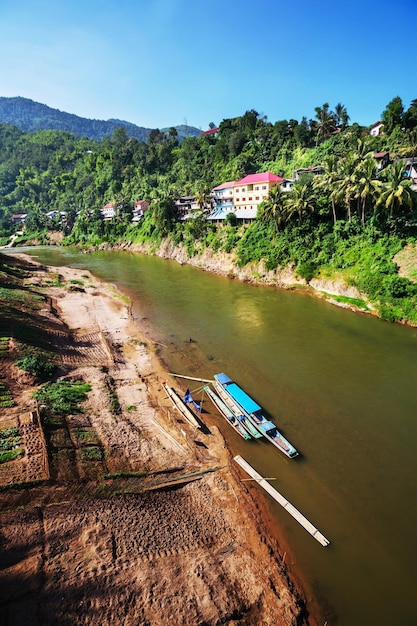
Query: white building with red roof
223,201
250,191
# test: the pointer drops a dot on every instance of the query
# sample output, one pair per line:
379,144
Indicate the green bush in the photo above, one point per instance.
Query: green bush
10,455
36,366
63,397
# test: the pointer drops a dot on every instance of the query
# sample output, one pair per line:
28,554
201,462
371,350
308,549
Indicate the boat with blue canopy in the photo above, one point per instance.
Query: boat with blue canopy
224,410
253,412
236,410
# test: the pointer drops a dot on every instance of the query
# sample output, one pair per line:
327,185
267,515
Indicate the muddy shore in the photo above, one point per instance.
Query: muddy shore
171,535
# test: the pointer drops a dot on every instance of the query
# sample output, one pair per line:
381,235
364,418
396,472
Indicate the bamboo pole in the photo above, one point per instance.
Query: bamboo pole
202,380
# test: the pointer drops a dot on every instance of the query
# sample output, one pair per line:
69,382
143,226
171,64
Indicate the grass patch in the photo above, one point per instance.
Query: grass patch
85,436
91,453
10,455
125,475
356,302
63,397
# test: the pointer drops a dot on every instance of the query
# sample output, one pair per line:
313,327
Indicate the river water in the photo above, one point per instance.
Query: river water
341,386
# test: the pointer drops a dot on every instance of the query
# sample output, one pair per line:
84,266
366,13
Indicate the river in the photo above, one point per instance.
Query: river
341,386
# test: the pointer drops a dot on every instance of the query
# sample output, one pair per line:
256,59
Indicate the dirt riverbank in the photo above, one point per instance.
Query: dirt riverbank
136,518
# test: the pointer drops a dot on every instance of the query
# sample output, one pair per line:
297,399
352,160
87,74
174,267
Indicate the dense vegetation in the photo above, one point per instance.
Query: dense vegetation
350,220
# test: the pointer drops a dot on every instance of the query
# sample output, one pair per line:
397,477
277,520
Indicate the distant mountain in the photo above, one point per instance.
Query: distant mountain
31,116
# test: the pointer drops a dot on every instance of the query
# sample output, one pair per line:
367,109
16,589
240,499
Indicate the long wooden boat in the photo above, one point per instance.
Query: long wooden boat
236,410
227,413
254,413
181,407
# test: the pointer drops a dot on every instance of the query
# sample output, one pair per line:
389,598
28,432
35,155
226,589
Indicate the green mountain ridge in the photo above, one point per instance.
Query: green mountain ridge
31,116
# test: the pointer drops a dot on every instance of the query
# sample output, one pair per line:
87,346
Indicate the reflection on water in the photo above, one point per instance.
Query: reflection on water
341,387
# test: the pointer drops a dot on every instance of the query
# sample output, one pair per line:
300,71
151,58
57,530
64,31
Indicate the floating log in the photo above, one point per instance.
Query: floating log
314,532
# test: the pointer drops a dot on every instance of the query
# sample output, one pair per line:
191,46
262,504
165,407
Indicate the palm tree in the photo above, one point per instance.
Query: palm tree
396,193
344,186
325,122
300,201
340,115
328,181
367,185
273,208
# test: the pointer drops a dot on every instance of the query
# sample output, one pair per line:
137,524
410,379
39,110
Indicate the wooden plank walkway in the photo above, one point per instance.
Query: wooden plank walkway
314,532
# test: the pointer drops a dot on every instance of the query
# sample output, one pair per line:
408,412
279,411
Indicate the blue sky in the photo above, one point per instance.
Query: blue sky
160,63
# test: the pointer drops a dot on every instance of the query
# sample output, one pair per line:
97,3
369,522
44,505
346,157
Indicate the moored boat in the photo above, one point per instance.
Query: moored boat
253,412
236,410
232,419
181,406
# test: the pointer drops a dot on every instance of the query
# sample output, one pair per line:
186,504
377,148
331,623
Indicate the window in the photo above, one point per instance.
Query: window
257,188
263,186
250,199
237,190
243,199
257,198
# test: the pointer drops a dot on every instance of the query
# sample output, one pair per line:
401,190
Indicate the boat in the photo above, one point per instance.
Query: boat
181,406
253,412
232,419
236,410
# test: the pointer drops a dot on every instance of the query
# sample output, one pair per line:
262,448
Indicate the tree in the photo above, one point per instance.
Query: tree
325,122
367,185
396,191
340,115
328,181
273,208
392,115
300,201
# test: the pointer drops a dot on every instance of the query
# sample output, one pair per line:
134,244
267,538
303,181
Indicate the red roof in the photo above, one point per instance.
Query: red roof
211,131
379,155
224,186
260,178
377,124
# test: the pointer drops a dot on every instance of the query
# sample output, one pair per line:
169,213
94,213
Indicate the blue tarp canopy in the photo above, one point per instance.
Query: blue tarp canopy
223,378
242,398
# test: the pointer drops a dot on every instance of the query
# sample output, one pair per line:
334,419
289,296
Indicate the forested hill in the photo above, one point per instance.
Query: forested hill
31,116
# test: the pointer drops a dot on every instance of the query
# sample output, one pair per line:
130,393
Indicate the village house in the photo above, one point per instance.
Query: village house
108,211
223,202
313,170
139,209
376,129
19,218
186,207
250,191
382,160
411,169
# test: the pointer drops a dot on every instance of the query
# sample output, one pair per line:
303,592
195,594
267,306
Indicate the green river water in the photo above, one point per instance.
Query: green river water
341,386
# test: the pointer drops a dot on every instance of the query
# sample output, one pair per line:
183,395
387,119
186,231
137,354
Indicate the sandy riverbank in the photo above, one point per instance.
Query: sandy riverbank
199,552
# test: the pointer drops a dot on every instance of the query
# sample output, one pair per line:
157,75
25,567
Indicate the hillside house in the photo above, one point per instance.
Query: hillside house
411,169
382,160
139,209
376,129
250,191
108,211
185,207
223,202
313,170
19,218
